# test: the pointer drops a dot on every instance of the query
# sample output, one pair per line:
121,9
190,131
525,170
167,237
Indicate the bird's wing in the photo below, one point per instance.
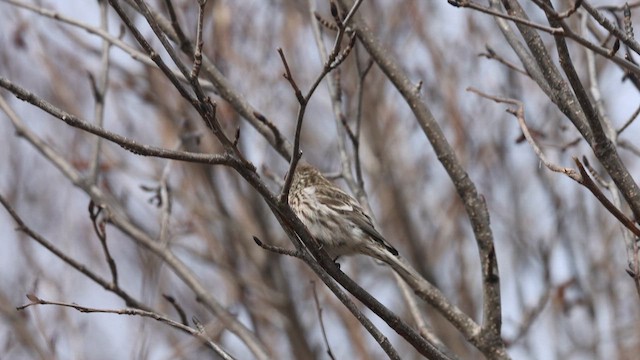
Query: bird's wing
347,206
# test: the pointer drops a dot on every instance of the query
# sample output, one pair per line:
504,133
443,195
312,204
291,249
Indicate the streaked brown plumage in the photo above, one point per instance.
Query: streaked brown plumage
334,218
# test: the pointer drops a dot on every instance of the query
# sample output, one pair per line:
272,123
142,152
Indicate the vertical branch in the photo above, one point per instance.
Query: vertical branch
302,101
594,88
324,331
99,226
197,55
334,92
100,87
362,75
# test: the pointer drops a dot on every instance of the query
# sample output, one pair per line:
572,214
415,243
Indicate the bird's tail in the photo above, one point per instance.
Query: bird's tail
399,264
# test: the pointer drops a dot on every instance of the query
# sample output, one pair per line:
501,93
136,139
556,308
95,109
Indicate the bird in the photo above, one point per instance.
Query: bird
334,218
339,223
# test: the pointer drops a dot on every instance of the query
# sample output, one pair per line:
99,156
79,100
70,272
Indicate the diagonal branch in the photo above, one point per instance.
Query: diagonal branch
124,142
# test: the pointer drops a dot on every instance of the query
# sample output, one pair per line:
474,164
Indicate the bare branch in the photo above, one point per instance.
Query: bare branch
99,226
319,311
197,56
109,286
474,203
134,312
125,143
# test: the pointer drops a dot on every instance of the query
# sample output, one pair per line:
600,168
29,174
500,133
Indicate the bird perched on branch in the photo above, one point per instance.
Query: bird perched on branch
338,222
334,218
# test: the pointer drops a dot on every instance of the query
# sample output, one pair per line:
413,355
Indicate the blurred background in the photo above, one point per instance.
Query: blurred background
562,257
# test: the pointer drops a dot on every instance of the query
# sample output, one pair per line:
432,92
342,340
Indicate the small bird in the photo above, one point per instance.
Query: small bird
334,218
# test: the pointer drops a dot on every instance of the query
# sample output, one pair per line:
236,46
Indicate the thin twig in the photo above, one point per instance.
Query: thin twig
564,30
491,54
151,52
289,77
135,312
99,226
125,143
594,88
203,332
173,17
595,190
531,313
631,119
625,37
279,140
335,92
62,255
362,76
277,249
352,11
297,154
197,55
100,87
177,307
319,312
582,176
474,6
632,4
519,114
